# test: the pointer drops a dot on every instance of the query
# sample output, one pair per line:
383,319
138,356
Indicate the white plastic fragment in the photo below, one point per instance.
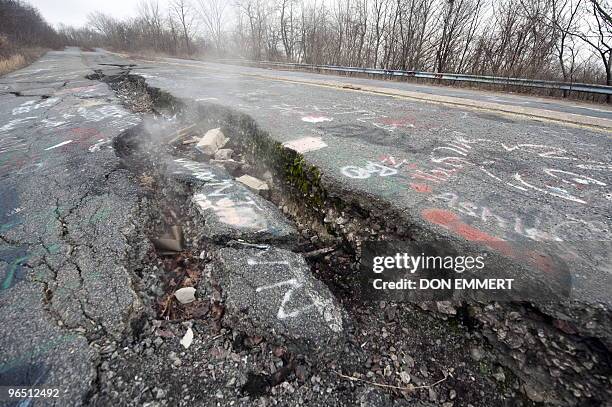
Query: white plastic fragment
185,295
187,339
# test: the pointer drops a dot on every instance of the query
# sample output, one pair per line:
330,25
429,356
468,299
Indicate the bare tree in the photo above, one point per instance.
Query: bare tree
182,11
151,19
562,16
262,35
598,34
109,28
520,38
212,14
288,28
380,19
459,19
21,24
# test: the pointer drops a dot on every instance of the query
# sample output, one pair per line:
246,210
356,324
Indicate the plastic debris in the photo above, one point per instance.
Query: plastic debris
187,339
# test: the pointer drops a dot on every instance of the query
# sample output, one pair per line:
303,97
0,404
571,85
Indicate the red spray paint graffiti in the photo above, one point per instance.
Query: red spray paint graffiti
451,221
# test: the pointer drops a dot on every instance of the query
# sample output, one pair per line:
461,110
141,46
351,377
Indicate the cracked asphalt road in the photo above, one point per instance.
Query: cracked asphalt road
502,182
66,220
69,212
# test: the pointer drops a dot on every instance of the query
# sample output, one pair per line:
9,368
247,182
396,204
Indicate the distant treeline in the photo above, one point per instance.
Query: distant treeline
567,40
173,31
21,25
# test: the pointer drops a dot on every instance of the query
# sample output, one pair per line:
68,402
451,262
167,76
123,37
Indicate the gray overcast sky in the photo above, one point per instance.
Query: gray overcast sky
74,12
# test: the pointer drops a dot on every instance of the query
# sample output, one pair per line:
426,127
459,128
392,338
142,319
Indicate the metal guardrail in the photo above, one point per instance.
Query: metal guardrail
495,80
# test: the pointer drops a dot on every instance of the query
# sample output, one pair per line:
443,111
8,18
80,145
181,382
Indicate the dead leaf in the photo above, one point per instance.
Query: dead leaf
165,333
279,351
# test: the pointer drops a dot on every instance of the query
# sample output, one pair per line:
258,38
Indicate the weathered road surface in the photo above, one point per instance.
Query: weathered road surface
65,222
511,175
565,111
502,181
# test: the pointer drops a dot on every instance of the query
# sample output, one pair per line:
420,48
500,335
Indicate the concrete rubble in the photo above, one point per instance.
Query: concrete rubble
230,165
187,340
254,184
211,142
224,154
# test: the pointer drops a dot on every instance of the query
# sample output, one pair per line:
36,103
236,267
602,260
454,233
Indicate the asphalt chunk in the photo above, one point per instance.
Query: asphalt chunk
231,211
273,291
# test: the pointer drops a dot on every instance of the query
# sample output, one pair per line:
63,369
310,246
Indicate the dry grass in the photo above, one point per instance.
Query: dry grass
12,63
19,59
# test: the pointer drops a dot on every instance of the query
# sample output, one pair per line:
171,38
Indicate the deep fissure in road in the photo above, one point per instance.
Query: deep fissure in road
332,226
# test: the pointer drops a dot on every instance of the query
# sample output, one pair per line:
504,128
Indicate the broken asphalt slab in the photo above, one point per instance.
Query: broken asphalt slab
232,212
194,172
228,209
272,292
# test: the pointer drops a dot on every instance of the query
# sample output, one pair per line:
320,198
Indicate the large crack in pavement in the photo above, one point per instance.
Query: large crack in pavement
104,229
493,353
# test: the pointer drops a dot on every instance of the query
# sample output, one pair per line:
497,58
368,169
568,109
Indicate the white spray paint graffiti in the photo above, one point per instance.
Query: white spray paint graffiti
96,147
324,306
12,144
236,209
239,214
52,124
595,167
31,105
31,168
560,183
13,124
318,114
574,229
455,156
63,143
102,113
316,119
294,284
511,224
370,168
557,191
198,170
